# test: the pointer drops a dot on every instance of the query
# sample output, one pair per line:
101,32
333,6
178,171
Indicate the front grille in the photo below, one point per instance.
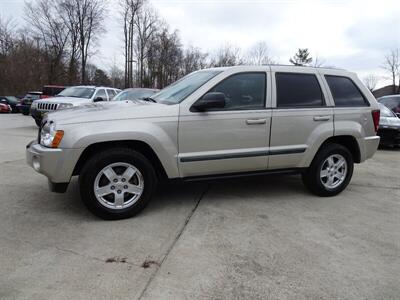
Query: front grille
43,106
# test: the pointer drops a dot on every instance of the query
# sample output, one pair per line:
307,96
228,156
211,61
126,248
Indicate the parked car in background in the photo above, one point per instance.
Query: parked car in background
72,96
24,105
389,127
392,102
135,94
5,108
51,90
214,123
12,101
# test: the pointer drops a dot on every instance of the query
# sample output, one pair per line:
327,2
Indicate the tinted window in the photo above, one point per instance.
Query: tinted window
101,94
345,92
243,91
298,90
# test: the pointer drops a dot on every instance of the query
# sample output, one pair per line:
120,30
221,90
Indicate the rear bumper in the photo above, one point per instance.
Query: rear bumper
368,146
56,164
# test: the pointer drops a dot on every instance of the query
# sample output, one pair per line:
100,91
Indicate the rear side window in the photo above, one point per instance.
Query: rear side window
298,90
345,92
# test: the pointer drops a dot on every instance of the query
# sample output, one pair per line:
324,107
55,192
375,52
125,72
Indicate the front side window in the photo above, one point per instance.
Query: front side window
179,90
345,92
78,92
298,90
243,91
101,94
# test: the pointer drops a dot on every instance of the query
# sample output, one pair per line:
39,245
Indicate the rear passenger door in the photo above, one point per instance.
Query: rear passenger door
302,117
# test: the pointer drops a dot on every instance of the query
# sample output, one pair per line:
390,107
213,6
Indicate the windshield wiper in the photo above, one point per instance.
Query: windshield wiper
149,99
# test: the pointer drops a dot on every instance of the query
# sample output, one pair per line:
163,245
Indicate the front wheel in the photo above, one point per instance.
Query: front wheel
330,172
117,183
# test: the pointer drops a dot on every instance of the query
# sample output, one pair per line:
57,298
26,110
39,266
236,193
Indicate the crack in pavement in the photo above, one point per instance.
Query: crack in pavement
11,161
377,186
174,242
70,251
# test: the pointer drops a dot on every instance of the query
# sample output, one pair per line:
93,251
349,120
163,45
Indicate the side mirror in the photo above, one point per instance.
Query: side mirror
98,99
209,101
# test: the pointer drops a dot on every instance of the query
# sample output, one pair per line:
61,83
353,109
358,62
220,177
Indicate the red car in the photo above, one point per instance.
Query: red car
5,108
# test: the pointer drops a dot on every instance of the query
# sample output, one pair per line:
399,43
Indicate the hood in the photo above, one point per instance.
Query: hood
75,101
113,110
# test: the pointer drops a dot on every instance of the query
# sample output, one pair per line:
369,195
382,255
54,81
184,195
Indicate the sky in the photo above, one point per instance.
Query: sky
353,34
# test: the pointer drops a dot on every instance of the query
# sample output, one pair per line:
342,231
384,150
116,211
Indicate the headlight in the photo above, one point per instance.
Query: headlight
49,136
34,104
64,105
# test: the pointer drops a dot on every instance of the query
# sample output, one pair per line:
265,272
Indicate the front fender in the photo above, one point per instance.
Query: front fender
160,134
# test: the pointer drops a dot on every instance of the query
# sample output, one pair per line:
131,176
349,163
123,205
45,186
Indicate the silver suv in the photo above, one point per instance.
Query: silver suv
212,123
71,96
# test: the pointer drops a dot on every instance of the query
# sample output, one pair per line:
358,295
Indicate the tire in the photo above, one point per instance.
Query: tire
38,122
25,113
143,182
316,180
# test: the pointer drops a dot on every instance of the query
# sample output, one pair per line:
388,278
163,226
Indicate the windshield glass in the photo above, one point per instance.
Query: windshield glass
78,92
179,90
133,95
32,96
386,112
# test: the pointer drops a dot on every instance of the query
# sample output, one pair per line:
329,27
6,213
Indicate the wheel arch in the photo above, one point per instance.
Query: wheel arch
137,145
348,141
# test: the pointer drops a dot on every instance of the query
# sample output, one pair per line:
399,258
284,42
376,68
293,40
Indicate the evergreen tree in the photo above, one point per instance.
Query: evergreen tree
301,58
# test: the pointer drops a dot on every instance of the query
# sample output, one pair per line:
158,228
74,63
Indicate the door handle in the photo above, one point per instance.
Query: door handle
256,121
322,118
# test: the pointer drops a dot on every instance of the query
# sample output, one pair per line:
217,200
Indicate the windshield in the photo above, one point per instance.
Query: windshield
386,112
179,90
78,92
133,95
32,96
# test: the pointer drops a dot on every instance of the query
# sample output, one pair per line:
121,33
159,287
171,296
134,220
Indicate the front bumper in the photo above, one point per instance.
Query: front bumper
56,164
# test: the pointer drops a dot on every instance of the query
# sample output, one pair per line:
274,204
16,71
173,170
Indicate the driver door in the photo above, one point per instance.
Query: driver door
231,139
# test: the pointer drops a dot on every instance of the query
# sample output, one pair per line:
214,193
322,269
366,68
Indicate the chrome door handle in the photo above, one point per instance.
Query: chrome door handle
322,118
256,121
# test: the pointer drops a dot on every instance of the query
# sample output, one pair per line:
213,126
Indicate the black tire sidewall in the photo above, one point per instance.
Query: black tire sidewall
312,177
100,161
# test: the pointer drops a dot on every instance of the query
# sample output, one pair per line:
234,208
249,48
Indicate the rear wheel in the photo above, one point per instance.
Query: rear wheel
330,172
117,183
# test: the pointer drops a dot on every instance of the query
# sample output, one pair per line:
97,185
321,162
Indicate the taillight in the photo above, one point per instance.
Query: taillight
375,116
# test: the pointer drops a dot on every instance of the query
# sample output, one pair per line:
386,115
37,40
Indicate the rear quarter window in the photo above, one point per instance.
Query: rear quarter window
344,91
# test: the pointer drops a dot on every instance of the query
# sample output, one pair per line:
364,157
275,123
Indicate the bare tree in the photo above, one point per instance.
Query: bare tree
193,60
129,11
49,29
226,56
145,23
392,65
67,13
7,33
259,55
89,16
371,81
